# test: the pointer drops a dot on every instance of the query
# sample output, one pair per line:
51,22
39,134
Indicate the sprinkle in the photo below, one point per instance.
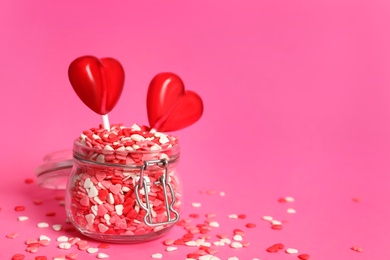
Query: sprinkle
276,222
214,224
20,208
232,216
64,245
233,258
22,218
71,256
291,251
170,248
304,256
357,248
62,239
250,225
37,201
40,258
291,211
222,194
226,240
268,218
236,244
57,227
102,256
157,256
241,216
12,235
357,200
104,246
196,204
191,243
168,242
277,227
237,238
218,243
92,250
43,237
18,257
42,225
28,180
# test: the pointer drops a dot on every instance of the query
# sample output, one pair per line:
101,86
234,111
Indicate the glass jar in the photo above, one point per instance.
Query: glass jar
123,196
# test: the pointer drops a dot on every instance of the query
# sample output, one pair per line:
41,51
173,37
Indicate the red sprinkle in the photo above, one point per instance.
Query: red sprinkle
241,216
40,258
18,257
303,256
276,227
104,246
50,214
29,180
20,208
194,215
250,225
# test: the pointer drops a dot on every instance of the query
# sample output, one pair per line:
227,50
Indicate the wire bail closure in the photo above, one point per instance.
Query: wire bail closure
164,182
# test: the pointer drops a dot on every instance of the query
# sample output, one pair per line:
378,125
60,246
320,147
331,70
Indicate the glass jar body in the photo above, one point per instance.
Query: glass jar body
134,201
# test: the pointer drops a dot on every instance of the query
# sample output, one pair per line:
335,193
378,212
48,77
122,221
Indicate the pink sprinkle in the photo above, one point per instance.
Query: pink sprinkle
12,235
168,242
357,249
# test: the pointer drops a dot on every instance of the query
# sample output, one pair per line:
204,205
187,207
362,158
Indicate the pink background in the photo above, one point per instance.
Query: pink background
296,98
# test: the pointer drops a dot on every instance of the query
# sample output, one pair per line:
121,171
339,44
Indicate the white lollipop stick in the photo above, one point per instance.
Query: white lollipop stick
106,123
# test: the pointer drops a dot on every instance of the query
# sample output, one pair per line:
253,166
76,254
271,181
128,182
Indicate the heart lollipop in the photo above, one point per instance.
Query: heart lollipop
169,106
98,83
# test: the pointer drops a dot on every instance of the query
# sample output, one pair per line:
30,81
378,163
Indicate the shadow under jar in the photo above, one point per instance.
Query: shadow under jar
130,202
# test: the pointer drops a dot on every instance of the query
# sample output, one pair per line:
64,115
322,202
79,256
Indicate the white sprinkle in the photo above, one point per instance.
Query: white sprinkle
94,209
233,258
93,192
225,240
256,259
102,256
119,209
191,243
22,218
208,257
235,244
135,127
100,158
218,243
108,148
97,200
291,211
92,250
157,256
206,244
276,222
196,204
88,183
137,137
62,239
125,189
222,194
163,139
199,241
214,224
171,248
64,245
232,216
43,237
42,225
110,198
57,227
289,199
291,251
268,218
237,238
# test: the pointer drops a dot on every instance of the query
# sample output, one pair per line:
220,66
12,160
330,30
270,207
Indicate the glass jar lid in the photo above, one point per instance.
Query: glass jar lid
55,170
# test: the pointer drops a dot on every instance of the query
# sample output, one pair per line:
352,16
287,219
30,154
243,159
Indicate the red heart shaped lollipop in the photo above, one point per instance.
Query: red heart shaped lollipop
97,82
170,107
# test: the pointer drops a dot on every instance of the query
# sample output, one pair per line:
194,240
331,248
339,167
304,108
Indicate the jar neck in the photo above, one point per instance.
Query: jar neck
123,158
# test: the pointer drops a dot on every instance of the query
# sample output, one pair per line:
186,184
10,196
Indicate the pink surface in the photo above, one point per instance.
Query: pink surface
296,98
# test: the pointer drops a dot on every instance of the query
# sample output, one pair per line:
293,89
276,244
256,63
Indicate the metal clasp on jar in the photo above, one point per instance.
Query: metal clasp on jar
167,187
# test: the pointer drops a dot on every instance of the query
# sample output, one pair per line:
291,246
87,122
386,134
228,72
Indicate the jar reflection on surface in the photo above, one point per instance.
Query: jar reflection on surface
123,203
